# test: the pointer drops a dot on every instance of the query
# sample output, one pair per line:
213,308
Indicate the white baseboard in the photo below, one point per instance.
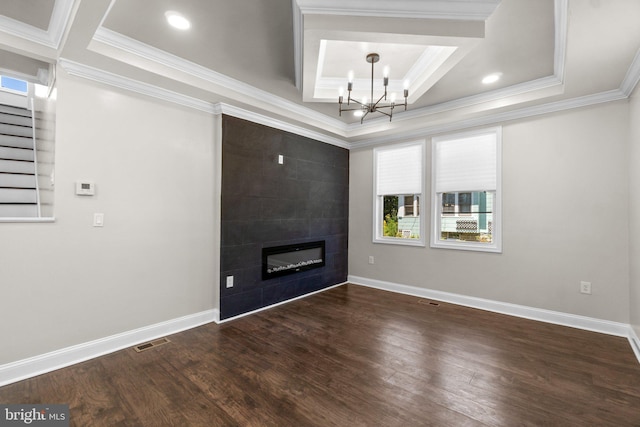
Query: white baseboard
635,342
27,368
542,315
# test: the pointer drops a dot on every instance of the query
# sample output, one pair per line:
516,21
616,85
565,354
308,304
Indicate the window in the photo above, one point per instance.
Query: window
398,194
26,153
12,84
466,191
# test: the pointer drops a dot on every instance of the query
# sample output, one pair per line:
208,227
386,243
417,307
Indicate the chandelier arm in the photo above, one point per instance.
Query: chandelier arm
359,103
363,116
350,109
374,106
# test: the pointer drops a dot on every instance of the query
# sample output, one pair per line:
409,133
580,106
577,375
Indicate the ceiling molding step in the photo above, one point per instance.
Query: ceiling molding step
497,118
26,32
50,38
240,113
458,104
60,17
632,77
561,18
90,73
561,24
100,76
287,108
298,37
467,10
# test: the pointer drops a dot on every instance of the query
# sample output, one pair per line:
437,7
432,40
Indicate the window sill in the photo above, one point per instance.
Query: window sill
402,242
32,220
467,246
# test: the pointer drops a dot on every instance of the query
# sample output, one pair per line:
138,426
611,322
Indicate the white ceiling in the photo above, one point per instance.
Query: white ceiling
282,61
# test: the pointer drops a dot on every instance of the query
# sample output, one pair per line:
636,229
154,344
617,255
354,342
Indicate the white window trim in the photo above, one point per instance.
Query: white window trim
436,202
377,209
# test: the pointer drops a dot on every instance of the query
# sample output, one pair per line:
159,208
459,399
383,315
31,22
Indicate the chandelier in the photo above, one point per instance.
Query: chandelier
364,107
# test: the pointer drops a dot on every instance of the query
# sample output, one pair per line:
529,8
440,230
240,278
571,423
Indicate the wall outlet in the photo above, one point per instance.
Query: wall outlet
585,288
229,281
371,259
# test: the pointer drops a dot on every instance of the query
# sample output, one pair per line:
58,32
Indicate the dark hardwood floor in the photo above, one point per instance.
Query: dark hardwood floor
354,356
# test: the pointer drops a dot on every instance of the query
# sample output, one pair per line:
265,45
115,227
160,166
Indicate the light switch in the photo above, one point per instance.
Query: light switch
98,220
280,159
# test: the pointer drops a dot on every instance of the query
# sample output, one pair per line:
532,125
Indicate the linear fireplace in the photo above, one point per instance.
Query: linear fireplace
288,259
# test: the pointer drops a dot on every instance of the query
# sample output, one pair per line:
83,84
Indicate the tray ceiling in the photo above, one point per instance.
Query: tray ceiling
285,60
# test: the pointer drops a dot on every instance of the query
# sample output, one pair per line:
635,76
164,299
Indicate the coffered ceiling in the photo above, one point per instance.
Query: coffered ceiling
284,61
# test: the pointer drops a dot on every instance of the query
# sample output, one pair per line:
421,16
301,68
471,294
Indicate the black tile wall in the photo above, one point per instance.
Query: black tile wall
267,204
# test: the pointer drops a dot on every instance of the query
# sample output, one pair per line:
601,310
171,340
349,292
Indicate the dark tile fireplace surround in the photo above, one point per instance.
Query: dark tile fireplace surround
267,204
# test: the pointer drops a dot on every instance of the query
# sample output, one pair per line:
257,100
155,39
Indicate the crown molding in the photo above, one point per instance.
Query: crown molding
337,132
342,130
466,10
300,7
461,10
104,77
100,76
26,32
374,125
240,113
298,37
496,118
632,77
277,104
50,38
60,18
561,23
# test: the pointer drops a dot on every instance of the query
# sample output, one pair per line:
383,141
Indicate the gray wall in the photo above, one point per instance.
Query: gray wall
634,211
68,283
571,183
565,219
266,204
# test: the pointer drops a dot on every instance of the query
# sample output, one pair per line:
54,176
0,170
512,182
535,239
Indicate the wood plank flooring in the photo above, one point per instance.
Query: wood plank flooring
354,356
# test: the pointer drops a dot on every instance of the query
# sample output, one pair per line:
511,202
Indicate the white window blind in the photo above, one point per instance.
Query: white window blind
466,164
399,170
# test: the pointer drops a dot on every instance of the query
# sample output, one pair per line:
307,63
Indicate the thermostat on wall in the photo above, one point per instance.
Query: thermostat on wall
85,188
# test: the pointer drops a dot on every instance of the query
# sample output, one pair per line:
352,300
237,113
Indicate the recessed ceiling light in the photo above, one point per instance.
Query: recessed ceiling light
491,78
177,20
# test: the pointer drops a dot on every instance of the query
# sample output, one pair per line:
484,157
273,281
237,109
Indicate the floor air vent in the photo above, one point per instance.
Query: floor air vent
151,344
